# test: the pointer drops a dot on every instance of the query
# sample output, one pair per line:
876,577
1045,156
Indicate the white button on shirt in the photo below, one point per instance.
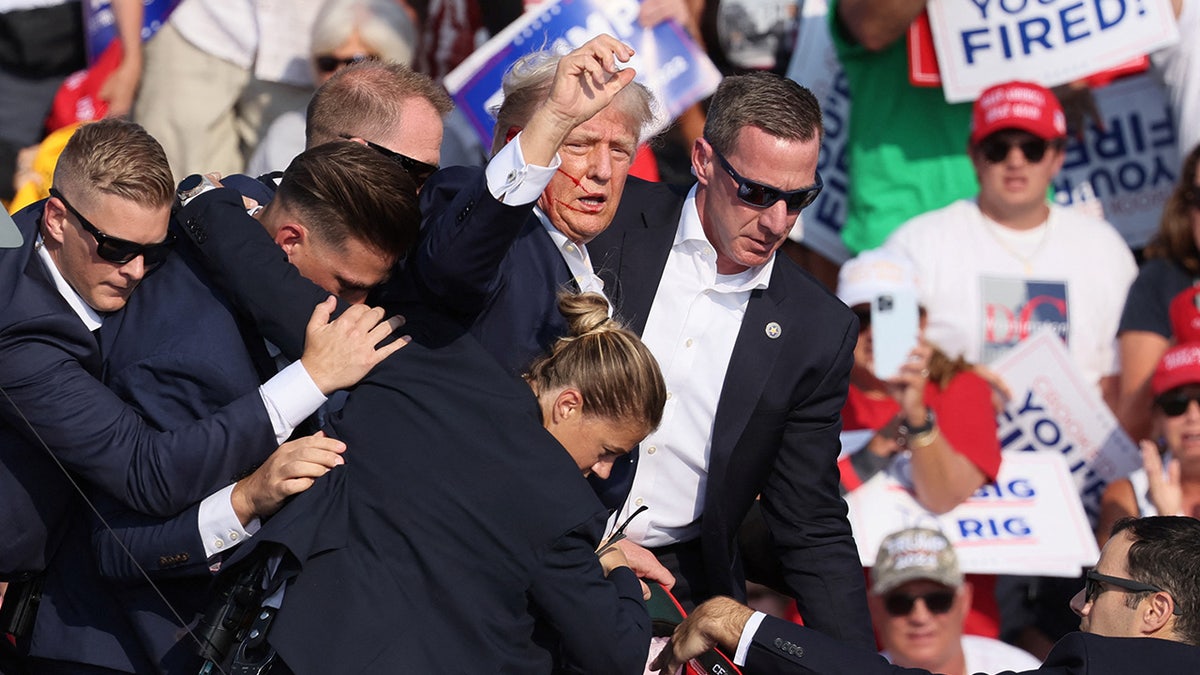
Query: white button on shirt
691,330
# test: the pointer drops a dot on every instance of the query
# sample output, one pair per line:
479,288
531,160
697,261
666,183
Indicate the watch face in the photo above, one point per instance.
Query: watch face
190,183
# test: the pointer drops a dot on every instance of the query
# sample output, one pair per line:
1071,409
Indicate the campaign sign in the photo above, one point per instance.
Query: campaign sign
667,60
1028,522
985,42
1014,309
1130,165
1054,410
815,65
100,27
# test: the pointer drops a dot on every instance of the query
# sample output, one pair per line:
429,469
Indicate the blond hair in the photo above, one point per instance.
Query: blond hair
115,157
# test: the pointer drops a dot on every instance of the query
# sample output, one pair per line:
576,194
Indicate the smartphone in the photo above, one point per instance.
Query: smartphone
895,325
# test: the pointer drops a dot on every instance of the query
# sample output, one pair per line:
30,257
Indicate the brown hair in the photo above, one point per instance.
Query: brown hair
772,103
364,100
610,365
346,190
527,84
1174,240
116,157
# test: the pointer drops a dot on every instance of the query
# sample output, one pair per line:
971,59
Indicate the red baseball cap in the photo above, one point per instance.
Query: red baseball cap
1179,366
1018,105
1185,315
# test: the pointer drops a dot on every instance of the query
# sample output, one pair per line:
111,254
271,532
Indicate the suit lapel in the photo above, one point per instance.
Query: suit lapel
754,355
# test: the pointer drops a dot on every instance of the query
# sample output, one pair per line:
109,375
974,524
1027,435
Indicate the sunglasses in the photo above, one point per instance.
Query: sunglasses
1174,406
120,251
416,169
761,196
995,149
327,63
1091,587
901,604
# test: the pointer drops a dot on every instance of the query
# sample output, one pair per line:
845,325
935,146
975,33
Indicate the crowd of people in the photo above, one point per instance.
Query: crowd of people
297,377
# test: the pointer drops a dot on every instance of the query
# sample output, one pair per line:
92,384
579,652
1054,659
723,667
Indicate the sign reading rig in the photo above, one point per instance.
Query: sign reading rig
984,42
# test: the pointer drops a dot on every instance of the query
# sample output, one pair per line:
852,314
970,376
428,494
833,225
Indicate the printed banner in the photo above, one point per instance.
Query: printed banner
815,65
667,61
100,26
1054,410
984,42
1028,522
1014,309
1131,165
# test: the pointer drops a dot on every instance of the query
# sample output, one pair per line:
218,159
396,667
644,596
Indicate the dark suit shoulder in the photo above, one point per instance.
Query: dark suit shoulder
818,298
1099,655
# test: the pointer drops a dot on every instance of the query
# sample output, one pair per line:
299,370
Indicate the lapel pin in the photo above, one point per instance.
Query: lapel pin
774,330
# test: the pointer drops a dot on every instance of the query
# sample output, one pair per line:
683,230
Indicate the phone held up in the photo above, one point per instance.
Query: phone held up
895,325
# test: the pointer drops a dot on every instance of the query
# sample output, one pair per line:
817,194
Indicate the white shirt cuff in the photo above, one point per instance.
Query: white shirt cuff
290,397
748,631
220,528
512,181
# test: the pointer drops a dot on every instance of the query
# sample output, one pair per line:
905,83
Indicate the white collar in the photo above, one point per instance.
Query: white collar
691,235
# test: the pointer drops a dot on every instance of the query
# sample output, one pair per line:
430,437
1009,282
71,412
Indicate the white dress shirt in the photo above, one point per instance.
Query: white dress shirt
289,398
691,329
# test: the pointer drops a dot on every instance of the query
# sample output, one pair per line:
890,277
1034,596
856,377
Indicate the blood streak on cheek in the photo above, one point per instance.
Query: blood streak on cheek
578,184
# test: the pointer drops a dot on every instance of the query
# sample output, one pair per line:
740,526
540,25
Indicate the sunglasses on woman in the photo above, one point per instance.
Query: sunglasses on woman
995,149
901,604
328,63
761,196
1175,405
120,251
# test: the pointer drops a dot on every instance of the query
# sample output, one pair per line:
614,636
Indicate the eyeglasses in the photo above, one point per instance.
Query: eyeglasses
416,169
901,604
327,63
761,196
995,149
1174,406
1091,587
120,251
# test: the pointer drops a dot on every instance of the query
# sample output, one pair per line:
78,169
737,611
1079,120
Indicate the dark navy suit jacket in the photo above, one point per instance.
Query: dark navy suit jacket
783,648
458,524
49,364
777,422
491,265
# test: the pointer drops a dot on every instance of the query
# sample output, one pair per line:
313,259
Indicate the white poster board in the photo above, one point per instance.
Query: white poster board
1028,522
1051,42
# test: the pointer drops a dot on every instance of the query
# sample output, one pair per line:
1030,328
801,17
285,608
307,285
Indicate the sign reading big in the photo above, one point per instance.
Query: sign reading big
984,42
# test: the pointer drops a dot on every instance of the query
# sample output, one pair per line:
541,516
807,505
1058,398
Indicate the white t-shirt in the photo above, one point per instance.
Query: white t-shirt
1179,68
988,655
986,287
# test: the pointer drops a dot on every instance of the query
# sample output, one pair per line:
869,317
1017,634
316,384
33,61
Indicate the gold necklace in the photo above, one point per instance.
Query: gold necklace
993,229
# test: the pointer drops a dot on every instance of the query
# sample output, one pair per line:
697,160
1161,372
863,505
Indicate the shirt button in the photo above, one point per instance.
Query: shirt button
669,395
708,252
638,501
233,536
570,248
651,450
688,343
218,544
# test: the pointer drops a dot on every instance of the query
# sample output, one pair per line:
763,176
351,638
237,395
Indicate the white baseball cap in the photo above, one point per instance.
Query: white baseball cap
874,273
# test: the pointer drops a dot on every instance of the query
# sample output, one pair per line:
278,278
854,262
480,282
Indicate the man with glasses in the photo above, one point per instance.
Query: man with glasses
995,269
756,355
919,602
63,434
1138,614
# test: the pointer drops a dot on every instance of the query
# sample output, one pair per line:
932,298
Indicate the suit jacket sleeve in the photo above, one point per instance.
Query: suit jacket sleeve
806,515
783,648
614,635
465,236
252,269
104,441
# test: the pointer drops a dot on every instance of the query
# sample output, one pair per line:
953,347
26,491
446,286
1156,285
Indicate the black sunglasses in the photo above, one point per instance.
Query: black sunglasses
327,63
1091,587
995,149
416,169
120,251
761,196
1176,405
901,604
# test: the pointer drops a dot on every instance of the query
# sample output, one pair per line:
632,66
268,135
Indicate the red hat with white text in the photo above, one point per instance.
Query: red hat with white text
1179,366
1018,105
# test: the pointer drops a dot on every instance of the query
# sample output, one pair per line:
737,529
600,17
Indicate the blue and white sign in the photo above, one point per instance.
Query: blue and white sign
985,42
667,60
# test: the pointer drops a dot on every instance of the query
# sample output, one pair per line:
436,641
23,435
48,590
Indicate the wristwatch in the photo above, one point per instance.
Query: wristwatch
909,435
193,186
